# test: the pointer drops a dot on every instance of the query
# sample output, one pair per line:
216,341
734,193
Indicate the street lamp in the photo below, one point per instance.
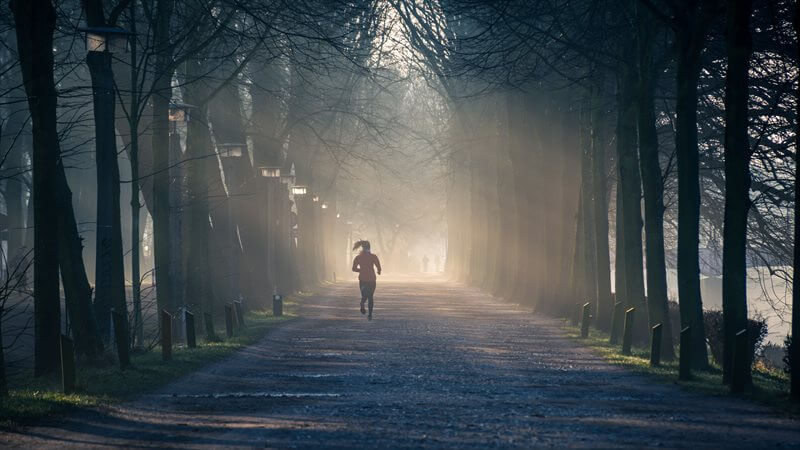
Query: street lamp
270,172
288,179
299,190
178,113
231,150
315,199
106,39
324,206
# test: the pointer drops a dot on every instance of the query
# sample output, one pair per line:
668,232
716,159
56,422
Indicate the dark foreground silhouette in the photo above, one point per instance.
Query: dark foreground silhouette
439,366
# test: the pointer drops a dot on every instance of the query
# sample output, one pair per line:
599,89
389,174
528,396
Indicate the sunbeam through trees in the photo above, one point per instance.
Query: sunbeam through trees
181,168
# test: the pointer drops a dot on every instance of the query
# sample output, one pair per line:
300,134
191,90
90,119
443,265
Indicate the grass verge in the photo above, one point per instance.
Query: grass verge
770,386
33,399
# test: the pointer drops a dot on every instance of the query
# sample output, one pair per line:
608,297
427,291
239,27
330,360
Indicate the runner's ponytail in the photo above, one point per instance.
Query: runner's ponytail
363,244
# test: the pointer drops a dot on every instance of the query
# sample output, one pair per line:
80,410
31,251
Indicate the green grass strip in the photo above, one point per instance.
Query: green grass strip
103,384
770,386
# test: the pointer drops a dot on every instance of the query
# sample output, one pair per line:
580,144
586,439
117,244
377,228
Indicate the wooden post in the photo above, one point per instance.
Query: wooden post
685,361
237,305
277,305
191,339
616,320
586,318
655,345
67,365
228,320
121,337
627,333
211,335
741,358
166,335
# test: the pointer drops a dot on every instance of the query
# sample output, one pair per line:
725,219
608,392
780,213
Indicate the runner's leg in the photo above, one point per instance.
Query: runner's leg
371,297
363,288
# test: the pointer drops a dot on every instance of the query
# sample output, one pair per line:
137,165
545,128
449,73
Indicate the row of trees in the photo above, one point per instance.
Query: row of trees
572,131
584,128
192,124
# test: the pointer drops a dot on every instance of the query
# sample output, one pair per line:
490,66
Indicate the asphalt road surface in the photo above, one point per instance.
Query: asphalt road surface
439,366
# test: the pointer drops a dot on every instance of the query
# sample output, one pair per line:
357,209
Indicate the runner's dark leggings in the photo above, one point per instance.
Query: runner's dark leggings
367,292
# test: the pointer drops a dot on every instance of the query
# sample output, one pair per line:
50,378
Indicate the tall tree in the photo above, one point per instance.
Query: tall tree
199,287
109,264
690,21
600,208
794,355
35,23
736,370
652,181
629,178
161,97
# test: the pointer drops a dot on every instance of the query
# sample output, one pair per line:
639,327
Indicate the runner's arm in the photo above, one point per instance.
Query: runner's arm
355,266
378,264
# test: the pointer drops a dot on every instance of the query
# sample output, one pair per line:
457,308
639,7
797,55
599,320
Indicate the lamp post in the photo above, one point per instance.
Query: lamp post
179,114
324,238
231,155
271,176
101,43
306,202
349,246
284,237
231,150
179,117
318,248
106,39
298,193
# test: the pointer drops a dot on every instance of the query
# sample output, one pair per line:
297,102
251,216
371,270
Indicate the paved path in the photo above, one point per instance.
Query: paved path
440,366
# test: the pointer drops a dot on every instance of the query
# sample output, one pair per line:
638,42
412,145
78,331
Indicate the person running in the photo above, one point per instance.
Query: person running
365,264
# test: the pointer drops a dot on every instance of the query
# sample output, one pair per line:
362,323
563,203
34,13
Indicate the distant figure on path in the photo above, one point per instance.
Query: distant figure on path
365,264
425,262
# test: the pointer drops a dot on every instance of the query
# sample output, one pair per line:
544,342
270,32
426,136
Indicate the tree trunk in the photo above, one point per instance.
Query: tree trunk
737,192
266,116
35,22
589,284
477,142
13,147
653,188
77,290
630,185
605,304
135,202
579,278
567,159
521,153
3,381
691,305
199,291
109,265
620,285
504,243
794,349
162,94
